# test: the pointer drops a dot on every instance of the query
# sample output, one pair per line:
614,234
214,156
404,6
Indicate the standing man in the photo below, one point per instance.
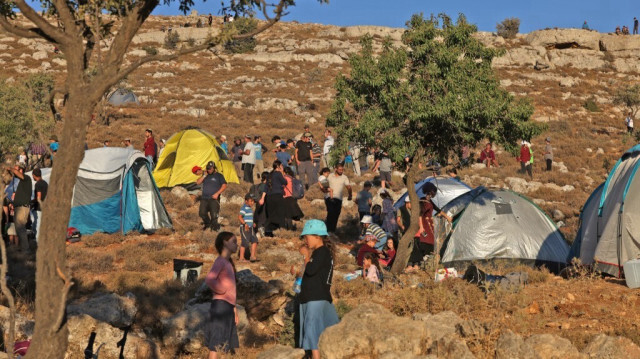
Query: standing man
354,151
210,20
21,203
127,143
338,181
328,143
236,153
385,165
635,26
548,153
526,158
40,194
260,149
629,122
304,161
150,147
248,159
213,184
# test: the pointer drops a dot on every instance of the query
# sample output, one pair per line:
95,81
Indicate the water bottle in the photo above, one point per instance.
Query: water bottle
297,285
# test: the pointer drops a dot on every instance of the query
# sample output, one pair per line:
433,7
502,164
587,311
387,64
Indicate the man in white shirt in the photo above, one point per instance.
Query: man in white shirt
328,143
338,185
629,122
248,159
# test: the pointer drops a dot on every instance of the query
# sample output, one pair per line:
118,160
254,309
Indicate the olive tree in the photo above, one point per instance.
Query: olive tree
426,100
94,36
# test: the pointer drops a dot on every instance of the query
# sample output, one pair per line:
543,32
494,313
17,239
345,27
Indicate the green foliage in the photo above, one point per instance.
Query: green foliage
40,85
628,97
591,105
436,95
508,28
242,25
150,50
21,120
342,308
171,40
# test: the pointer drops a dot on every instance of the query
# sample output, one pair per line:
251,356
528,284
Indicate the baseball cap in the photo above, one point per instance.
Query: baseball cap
314,227
127,139
211,165
307,134
149,130
196,169
367,219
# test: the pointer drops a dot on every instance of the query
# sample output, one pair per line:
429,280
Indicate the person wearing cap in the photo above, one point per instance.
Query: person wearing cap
248,159
548,153
150,149
127,143
364,200
526,158
260,149
326,148
223,144
338,182
373,229
213,184
316,309
236,155
368,246
304,160
21,203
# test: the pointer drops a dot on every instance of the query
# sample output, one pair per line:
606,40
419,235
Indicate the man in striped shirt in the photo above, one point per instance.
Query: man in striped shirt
371,228
249,239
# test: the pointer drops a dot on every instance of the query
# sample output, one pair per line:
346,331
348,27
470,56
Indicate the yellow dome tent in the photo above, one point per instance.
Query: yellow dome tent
188,148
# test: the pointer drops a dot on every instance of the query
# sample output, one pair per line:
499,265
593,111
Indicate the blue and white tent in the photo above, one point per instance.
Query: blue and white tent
115,192
609,233
448,189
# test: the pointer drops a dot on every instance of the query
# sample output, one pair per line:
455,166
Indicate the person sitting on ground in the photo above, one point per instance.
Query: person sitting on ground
247,235
371,268
585,26
488,157
367,247
389,252
371,228
364,199
618,32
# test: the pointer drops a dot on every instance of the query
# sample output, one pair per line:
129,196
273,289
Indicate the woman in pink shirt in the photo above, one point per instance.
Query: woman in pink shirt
220,330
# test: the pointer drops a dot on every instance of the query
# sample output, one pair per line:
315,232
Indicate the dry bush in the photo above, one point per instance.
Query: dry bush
508,28
272,263
172,201
140,264
102,239
89,260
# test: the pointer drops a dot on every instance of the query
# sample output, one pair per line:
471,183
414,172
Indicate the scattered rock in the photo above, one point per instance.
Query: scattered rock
604,346
439,324
511,345
260,299
471,329
59,62
180,192
521,185
558,215
24,326
159,75
548,346
118,311
40,55
451,346
281,352
600,151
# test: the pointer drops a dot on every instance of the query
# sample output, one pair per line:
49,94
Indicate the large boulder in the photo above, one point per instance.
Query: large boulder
612,42
107,339
24,327
511,345
604,346
281,352
549,346
118,311
565,38
261,299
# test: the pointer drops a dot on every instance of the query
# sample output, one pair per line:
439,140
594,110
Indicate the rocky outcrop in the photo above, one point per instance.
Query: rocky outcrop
565,38
604,346
548,346
281,352
118,311
261,299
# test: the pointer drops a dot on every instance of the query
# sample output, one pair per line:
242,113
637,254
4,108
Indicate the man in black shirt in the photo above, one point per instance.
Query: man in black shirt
304,160
40,194
213,184
21,201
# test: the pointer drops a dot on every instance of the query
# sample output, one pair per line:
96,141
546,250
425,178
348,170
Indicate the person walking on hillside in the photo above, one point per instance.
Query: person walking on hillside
304,160
629,122
317,312
220,331
150,148
41,188
248,159
338,182
635,26
548,153
236,152
21,203
526,158
384,165
328,143
260,149
213,184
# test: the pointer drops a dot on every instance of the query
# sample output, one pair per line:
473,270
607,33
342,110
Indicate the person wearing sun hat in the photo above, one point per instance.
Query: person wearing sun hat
316,309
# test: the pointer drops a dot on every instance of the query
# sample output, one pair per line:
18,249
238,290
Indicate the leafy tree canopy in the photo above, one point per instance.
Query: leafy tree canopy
628,97
433,96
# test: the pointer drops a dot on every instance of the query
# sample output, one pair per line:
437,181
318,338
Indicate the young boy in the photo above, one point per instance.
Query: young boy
323,182
363,200
249,239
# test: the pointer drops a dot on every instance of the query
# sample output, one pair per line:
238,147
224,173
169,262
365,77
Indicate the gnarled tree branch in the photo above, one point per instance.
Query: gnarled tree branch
51,31
32,33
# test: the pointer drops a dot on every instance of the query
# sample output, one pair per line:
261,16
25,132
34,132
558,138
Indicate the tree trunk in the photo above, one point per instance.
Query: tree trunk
405,246
50,338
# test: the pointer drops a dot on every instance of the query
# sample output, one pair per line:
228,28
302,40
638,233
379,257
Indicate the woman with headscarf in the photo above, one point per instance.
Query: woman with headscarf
274,201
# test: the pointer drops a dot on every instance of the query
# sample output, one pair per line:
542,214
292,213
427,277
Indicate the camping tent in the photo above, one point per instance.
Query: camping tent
500,224
115,192
448,189
609,234
188,148
122,96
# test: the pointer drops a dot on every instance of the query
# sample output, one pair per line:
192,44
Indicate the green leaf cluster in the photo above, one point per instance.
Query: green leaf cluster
436,93
628,97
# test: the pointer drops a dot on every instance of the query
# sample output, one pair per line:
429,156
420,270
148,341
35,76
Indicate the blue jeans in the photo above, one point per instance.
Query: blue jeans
150,159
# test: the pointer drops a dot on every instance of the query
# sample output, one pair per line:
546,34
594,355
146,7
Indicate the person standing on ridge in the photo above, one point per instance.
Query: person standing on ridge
635,26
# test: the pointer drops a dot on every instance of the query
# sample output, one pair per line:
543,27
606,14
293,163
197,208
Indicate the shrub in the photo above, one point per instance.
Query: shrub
171,40
242,26
591,105
508,28
151,50
191,42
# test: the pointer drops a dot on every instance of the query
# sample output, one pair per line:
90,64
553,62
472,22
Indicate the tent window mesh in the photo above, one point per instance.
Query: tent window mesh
503,208
221,154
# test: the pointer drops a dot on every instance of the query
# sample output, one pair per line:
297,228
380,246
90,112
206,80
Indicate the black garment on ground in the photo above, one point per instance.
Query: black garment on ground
304,150
42,187
276,212
209,209
23,192
316,281
212,184
277,184
420,249
334,207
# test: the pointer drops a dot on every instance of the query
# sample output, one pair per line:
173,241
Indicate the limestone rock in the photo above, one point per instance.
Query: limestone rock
604,346
451,346
159,75
260,299
180,192
59,62
511,345
24,326
558,215
281,352
439,324
565,38
548,346
521,185
118,311
40,55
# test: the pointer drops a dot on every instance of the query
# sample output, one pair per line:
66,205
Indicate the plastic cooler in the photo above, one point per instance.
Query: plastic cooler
187,271
632,273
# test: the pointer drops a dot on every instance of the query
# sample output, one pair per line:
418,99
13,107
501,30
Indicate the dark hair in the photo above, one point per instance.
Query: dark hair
283,146
289,171
37,172
373,257
219,244
453,170
330,246
264,176
326,169
276,164
275,138
289,141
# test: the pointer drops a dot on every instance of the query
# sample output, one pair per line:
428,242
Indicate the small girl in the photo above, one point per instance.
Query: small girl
371,269
389,252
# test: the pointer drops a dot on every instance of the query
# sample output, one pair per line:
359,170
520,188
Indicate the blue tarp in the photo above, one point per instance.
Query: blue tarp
103,216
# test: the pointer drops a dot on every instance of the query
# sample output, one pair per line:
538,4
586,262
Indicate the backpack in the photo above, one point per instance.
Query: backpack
297,188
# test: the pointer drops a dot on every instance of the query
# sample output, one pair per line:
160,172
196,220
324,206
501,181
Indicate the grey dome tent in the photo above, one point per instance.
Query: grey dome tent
122,96
609,233
447,189
501,224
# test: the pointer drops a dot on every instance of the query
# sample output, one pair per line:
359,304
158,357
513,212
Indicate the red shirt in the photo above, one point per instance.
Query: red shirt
364,249
525,154
426,217
150,147
487,155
